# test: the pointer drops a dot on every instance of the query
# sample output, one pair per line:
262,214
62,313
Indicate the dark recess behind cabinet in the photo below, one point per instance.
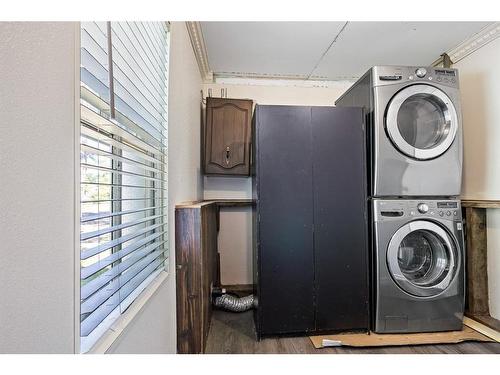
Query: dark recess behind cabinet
310,220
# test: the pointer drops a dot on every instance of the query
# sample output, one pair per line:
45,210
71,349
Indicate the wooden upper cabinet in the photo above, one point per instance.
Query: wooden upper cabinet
227,136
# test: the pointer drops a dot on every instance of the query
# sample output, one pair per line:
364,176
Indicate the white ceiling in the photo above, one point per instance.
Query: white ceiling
326,50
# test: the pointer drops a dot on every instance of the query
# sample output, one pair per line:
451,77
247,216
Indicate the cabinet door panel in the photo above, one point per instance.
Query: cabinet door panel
227,136
341,272
284,206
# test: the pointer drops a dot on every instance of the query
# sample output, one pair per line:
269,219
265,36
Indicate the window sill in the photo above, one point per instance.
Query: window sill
105,342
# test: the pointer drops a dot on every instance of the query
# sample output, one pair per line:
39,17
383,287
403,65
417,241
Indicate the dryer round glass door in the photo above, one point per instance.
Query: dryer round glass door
421,121
422,258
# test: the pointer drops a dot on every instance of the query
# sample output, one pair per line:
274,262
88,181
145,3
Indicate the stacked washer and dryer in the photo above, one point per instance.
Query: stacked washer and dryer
414,159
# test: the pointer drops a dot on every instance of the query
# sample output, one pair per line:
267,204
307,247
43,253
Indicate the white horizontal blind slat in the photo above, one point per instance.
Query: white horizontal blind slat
116,242
132,47
126,129
119,213
109,229
122,185
153,60
136,163
96,283
130,68
107,322
124,239
123,200
122,172
123,145
107,299
113,257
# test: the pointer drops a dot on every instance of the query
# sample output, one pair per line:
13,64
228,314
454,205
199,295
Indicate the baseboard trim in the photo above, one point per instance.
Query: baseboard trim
483,329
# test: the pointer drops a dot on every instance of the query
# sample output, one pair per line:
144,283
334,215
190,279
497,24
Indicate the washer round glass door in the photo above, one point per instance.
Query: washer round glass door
422,258
421,121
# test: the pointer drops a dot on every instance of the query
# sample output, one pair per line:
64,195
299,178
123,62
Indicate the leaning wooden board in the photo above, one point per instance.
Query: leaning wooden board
374,339
196,271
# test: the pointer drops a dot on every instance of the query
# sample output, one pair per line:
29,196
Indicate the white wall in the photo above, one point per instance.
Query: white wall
37,188
154,329
235,236
480,88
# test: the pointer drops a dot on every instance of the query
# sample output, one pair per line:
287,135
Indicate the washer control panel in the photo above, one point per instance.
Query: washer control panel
447,209
388,75
396,209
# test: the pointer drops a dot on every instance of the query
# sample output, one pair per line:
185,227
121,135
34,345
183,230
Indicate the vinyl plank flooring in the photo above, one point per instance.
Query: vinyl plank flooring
232,333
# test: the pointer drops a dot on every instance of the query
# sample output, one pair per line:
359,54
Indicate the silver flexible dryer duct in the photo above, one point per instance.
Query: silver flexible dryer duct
235,304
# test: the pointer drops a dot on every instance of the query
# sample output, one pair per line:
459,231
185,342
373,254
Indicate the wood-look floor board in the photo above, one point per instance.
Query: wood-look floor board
233,333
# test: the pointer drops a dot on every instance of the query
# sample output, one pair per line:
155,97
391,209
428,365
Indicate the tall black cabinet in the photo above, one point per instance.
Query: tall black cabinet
310,255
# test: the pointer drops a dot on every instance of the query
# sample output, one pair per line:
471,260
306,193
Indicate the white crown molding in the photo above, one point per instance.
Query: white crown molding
475,42
280,82
200,50
251,75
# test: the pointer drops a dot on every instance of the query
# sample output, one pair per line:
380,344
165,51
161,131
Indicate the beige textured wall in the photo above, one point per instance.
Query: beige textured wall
235,236
480,91
38,66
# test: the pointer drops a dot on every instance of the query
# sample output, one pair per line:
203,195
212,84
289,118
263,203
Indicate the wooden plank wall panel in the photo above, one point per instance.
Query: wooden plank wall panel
196,272
477,270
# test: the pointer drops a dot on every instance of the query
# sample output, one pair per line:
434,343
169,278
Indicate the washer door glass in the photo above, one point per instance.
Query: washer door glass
421,121
421,258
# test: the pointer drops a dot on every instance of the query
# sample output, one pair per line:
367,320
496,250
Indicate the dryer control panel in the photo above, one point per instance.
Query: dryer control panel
389,75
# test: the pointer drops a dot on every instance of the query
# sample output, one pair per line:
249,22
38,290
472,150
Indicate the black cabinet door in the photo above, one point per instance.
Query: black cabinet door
340,250
285,219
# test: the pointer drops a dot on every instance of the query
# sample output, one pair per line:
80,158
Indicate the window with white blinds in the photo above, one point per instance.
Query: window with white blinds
123,162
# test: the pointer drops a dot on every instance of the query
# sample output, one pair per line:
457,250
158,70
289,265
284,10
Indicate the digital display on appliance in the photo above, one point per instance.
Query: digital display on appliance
447,205
443,72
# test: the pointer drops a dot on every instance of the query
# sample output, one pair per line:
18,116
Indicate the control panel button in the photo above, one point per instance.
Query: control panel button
421,72
441,213
422,208
455,213
448,213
